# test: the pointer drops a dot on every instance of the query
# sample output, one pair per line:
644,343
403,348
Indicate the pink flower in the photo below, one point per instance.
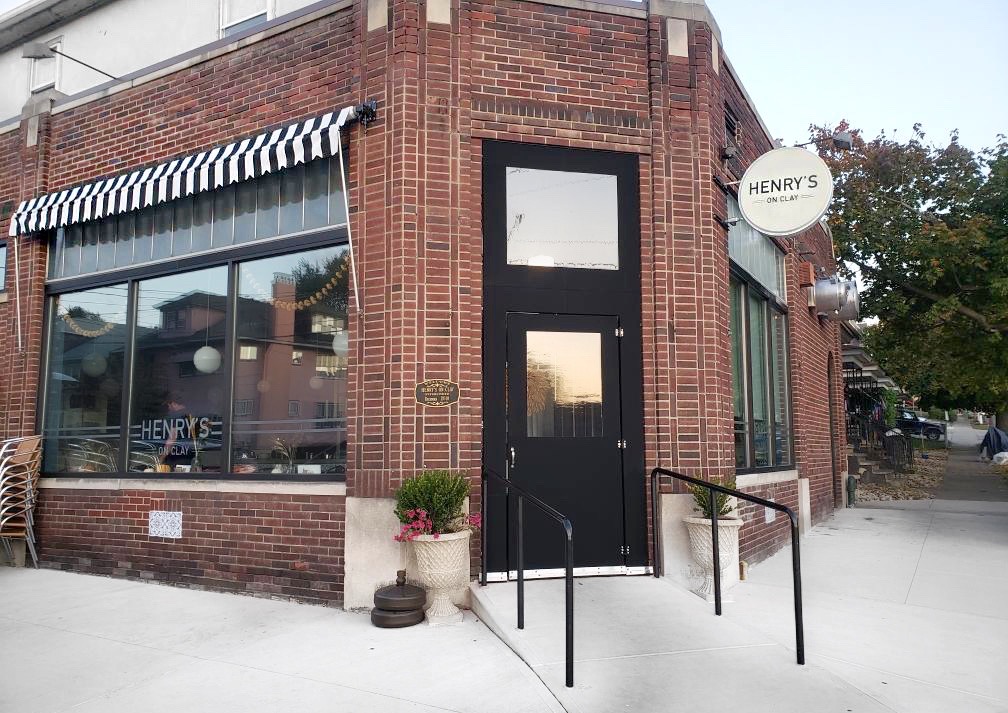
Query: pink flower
475,520
437,535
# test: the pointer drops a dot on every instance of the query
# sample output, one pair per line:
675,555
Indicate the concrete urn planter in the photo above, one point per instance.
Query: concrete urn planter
702,544
443,565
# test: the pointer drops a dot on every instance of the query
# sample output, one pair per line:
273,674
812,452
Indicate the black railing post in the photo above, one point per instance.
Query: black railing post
568,529
656,554
796,575
569,603
521,561
717,551
483,527
731,492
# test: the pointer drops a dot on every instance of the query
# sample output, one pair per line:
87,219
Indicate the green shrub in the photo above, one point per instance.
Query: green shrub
702,499
440,493
890,399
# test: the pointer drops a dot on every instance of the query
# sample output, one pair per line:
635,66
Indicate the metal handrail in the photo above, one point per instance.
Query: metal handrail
568,529
712,487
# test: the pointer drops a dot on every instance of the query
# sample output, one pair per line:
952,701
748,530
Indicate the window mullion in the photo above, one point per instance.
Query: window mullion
230,351
771,364
127,397
750,420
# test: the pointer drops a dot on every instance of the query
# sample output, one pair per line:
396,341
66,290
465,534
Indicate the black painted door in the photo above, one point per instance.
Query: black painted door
564,435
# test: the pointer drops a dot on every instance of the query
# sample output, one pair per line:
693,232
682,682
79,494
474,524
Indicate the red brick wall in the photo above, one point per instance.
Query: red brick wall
264,544
757,539
511,70
294,75
23,173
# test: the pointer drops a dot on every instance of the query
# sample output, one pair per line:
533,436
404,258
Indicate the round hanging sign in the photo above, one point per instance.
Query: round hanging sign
785,191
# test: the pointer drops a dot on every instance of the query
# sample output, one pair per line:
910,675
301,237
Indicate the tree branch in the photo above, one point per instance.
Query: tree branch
934,297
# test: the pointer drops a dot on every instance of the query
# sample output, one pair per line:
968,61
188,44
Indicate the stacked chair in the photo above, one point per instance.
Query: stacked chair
20,461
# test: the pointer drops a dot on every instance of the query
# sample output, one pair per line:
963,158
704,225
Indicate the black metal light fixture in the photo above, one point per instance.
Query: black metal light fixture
40,50
366,113
842,141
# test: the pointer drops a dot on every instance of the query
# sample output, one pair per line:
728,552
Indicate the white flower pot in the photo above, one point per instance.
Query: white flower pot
702,544
443,565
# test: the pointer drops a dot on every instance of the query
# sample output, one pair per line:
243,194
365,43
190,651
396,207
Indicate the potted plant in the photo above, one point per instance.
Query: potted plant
701,540
429,506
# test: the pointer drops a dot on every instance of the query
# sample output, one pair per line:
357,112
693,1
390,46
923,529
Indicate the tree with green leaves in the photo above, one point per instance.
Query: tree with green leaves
927,228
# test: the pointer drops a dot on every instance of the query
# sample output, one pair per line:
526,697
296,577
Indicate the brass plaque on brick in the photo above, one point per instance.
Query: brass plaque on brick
437,392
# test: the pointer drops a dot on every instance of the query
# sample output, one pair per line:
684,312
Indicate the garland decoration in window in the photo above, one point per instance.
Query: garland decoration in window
292,305
90,333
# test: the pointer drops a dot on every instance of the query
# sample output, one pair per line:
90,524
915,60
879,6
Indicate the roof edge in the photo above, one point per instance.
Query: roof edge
35,17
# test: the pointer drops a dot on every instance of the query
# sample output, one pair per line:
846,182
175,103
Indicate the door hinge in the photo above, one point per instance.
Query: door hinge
621,443
624,550
619,331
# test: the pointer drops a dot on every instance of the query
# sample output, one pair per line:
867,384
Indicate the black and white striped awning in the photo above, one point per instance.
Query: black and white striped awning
271,151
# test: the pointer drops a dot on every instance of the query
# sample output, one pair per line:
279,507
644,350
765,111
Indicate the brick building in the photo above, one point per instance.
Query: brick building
198,324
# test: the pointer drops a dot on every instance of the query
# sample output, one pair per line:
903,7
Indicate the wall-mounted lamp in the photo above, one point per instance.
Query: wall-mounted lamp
836,299
40,50
842,141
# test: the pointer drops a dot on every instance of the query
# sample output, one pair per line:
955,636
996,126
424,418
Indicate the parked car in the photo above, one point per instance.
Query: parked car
909,422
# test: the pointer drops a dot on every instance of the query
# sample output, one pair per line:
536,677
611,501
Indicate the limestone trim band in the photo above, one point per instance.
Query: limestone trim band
211,486
753,480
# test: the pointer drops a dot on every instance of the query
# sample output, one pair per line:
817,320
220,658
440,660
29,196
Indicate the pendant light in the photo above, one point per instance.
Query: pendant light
207,359
94,364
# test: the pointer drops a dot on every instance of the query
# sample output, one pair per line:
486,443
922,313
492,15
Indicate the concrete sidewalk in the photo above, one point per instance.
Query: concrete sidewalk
905,601
969,478
904,611
83,643
644,645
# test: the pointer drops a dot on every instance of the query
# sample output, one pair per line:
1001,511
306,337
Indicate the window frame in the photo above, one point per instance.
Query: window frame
3,267
751,286
225,23
54,43
733,135
231,257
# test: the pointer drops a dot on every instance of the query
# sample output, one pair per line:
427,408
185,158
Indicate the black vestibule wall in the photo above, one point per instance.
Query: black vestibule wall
584,271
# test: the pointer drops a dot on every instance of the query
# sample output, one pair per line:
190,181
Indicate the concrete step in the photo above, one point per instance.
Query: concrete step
643,644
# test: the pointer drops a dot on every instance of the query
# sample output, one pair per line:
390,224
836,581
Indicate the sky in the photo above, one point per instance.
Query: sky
882,65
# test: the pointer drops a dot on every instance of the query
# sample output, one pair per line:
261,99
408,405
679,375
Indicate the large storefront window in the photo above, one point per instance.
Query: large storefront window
755,252
268,402
179,389
760,386
290,377
83,396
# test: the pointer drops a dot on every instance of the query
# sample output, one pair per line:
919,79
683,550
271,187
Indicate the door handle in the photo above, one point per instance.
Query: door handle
513,458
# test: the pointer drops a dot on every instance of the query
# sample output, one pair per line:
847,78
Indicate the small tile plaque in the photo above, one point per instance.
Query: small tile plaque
165,523
437,392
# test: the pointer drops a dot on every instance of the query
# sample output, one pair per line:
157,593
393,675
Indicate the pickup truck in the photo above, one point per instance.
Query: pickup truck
909,422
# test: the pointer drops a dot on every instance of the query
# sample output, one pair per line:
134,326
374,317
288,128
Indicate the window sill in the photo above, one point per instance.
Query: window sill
752,480
193,485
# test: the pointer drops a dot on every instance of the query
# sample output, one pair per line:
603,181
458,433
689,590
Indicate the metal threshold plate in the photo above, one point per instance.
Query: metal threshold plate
561,572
